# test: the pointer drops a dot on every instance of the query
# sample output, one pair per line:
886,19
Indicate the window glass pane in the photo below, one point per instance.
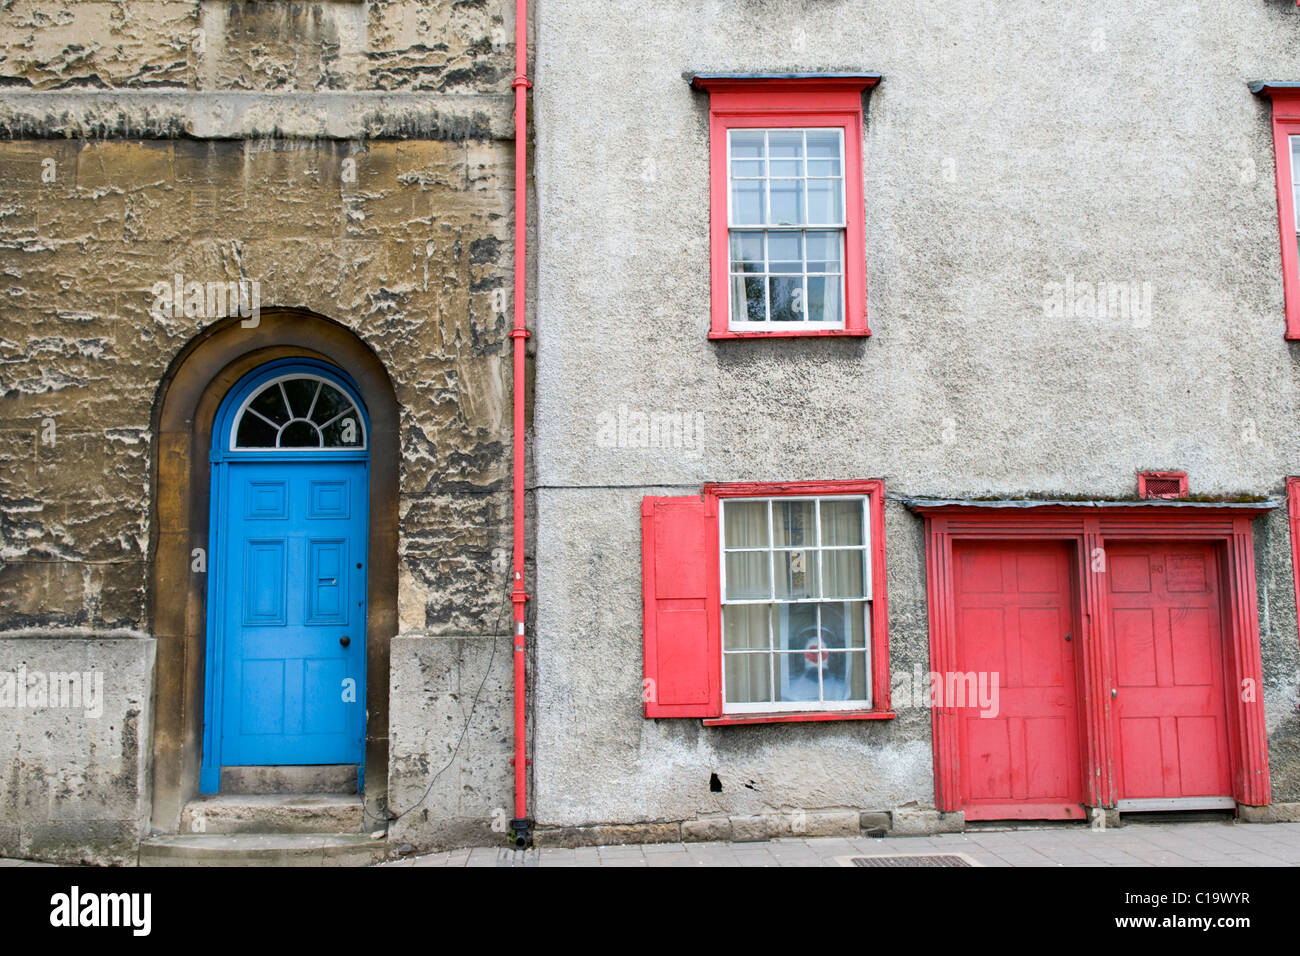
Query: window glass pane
330,404
824,144
843,624
343,432
755,295
746,252
785,144
739,308
747,576
300,434
796,574
745,524
824,152
270,403
841,522
844,676
824,203
785,251
745,626
748,299
747,168
301,392
747,143
857,673
842,574
796,523
795,625
748,678
787,202
747,202
798,674
823,251
255,433
857,617
787,298
824,298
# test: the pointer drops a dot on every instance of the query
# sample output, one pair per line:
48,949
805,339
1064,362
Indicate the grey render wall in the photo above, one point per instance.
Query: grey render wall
1009,146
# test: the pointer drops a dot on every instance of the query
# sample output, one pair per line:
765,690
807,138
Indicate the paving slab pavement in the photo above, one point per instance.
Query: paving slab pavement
1145,845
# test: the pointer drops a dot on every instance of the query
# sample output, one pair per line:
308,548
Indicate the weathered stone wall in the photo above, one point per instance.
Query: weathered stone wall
352,159
1011,147
425,45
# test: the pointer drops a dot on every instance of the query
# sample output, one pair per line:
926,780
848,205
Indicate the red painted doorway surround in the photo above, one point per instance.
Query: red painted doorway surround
1184,699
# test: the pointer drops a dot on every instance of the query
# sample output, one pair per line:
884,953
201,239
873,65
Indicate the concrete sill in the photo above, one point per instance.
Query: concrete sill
785,718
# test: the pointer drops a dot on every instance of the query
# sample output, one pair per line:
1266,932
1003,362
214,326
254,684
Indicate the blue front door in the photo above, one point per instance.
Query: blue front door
294,655
286,655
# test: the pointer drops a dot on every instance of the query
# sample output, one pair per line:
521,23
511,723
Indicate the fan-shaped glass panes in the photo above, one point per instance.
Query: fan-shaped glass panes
299,411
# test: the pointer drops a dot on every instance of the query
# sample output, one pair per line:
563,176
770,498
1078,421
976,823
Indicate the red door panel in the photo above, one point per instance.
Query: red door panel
1168,706
1014,610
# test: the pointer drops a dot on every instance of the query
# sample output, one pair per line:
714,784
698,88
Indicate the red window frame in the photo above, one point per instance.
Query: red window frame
683,602
822,100
1286,123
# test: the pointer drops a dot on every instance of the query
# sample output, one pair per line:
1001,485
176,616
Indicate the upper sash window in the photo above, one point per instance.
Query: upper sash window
787,232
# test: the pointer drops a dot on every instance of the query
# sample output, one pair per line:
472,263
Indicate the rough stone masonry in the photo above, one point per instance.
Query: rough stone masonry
352,160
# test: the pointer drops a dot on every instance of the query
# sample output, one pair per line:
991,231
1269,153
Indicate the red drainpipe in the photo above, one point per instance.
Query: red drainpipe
520,825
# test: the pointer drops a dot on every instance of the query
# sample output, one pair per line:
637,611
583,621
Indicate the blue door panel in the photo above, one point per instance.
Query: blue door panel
327,581
260,682
294,539
265,570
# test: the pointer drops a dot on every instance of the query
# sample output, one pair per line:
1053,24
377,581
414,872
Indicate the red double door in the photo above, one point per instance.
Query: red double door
1021,740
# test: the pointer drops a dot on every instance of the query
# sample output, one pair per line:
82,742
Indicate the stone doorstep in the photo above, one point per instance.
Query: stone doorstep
273,813
263,849
273,780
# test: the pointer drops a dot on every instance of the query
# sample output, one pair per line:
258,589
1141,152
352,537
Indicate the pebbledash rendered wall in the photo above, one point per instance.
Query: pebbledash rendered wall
354,161
1011,148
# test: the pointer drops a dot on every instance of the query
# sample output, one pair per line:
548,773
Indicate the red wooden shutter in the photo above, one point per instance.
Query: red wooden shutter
679,568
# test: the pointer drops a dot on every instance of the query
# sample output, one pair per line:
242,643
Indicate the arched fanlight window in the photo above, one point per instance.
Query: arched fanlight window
298,411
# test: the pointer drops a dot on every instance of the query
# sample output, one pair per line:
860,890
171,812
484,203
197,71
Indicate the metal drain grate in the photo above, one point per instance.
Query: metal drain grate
913,859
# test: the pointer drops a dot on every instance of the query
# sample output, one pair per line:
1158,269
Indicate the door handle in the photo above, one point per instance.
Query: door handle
345,640
1067,637
1114,692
